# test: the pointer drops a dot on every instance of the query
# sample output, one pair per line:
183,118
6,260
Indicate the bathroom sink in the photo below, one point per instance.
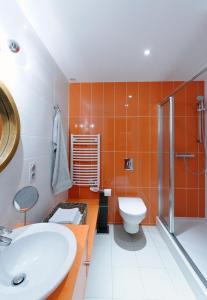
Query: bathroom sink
36,261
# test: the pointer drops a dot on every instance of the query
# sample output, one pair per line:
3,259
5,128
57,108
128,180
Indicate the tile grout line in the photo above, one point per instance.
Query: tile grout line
103,129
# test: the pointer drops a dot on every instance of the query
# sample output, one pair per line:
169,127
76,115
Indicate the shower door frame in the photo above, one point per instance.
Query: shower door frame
163,221
169,101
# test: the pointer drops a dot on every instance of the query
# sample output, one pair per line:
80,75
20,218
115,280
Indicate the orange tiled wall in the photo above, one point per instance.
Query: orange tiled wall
128,128
189,189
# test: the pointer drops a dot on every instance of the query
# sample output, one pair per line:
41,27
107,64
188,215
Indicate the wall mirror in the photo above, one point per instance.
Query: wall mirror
9,126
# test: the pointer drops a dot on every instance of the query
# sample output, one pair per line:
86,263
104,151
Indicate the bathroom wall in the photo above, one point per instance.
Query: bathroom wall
36,84
128,128
189,188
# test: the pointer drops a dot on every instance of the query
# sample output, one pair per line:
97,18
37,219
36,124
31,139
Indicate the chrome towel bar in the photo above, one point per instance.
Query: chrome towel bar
184,155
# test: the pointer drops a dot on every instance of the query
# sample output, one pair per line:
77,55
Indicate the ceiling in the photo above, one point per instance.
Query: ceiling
104,40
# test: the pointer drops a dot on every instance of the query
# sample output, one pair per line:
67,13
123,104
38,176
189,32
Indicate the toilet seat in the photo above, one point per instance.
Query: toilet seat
133,211
132,206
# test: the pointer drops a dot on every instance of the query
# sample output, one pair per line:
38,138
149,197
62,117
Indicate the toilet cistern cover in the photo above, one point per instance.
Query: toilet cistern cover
132,205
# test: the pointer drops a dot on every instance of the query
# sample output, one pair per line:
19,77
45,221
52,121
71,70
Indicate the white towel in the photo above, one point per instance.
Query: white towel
77,218
61,180
65,216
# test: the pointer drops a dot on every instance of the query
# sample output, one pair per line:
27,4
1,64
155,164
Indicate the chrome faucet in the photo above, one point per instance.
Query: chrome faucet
5,241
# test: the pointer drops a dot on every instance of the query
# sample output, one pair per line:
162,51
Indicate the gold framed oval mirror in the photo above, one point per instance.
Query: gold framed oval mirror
9,127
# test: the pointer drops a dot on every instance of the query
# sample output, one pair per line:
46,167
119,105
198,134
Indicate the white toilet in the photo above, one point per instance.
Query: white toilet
132,211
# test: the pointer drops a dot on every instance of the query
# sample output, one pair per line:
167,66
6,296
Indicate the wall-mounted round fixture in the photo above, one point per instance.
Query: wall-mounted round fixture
13,46
130,96
147,52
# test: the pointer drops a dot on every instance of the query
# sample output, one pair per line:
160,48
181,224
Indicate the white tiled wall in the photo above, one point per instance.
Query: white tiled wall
36,84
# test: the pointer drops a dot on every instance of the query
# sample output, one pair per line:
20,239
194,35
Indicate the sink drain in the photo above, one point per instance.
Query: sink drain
18,279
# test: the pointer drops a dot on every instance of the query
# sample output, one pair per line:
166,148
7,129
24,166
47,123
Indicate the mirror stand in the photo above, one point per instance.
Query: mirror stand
25,199
25,218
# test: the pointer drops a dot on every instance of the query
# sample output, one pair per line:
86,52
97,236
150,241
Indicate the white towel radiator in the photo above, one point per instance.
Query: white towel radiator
85,160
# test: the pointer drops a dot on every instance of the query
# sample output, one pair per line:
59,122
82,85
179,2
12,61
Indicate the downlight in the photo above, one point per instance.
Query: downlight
147,52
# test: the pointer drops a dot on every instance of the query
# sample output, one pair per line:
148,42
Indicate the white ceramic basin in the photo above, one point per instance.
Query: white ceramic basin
43,253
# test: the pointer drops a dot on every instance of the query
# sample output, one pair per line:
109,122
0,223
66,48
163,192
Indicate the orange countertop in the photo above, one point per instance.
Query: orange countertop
83,233
92,215
66,288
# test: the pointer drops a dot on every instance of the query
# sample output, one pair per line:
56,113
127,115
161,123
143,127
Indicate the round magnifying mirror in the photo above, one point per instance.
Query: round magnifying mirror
25,199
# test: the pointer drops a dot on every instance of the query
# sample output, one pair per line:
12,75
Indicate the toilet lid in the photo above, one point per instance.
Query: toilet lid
132,205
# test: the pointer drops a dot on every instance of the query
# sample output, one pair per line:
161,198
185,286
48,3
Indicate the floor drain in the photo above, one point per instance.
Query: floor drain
18,279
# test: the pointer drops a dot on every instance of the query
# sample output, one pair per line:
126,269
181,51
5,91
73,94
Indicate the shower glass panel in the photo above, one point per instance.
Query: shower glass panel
183,168
190,156
166,163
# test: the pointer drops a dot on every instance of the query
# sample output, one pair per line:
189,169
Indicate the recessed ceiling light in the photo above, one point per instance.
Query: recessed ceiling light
147,52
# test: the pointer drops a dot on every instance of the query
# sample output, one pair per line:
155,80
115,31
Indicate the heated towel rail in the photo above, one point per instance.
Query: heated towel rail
85,160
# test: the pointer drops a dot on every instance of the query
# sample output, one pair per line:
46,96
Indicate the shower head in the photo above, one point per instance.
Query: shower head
200,98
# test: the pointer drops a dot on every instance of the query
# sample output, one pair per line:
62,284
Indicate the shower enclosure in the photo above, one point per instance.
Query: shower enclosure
182,166
166,162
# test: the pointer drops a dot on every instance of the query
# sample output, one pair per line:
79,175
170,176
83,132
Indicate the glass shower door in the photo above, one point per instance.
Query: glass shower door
166,162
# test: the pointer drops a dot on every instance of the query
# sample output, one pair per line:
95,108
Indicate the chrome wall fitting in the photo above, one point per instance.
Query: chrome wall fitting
13,46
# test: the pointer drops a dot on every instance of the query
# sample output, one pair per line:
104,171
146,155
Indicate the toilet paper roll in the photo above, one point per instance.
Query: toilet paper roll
107,192
94,189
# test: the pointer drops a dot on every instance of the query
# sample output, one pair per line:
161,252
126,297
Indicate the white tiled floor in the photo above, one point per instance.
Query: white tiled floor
191,233
138,267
